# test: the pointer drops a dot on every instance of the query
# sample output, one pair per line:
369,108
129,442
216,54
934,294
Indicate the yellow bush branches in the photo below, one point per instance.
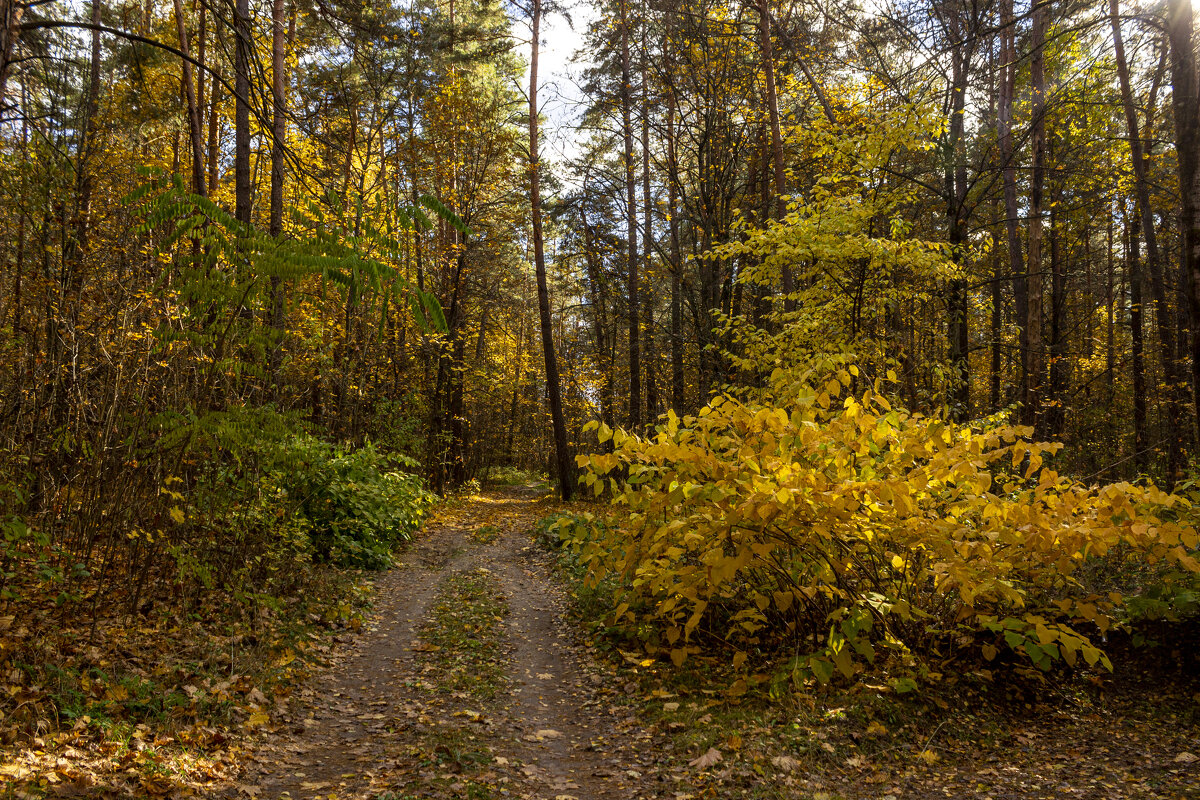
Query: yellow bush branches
814,515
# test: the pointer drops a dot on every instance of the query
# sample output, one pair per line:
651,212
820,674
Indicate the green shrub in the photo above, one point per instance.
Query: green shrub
358,503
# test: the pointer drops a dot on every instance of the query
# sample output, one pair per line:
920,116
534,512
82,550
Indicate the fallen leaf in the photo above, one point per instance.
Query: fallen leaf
1186,758
785,763
712,756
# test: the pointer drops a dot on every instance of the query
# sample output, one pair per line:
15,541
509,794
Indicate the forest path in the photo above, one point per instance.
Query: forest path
469,683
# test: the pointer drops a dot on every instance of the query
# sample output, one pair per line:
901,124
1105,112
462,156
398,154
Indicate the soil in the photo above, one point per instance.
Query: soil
371,728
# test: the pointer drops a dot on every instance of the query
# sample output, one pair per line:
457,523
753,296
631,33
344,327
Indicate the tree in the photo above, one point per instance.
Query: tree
562,454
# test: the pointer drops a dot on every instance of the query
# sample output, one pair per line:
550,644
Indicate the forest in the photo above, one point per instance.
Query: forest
862,337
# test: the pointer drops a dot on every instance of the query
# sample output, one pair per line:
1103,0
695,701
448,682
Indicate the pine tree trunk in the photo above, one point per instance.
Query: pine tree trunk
1140,161
1037,182
1016,261
563,458
676,264
241,117
647,237
1134,277
1185,100
955,188
635,364
11,12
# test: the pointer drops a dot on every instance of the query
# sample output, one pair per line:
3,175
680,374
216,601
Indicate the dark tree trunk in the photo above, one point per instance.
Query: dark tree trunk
767,53
214,142
241,119
635,364
195,124
676,264
955,179
1037,182
562,455
1134,277
1185,100
279,41
1016,261
1140,161
11,12
647,238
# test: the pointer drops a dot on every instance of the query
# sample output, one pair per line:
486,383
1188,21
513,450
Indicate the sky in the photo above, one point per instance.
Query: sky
559,97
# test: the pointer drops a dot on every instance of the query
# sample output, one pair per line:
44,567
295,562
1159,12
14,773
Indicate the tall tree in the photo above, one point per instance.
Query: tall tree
241,135
1185,101
562,454
635,361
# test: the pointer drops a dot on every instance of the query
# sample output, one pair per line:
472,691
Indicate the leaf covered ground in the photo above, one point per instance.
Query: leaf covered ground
477,675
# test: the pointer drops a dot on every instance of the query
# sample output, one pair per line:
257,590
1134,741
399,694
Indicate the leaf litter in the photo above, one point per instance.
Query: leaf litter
400,709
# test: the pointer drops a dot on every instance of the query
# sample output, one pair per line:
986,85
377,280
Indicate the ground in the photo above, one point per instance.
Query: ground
471,678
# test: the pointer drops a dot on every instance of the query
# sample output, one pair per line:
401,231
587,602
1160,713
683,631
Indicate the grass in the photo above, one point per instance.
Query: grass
463,657
463,639
486,534
513,476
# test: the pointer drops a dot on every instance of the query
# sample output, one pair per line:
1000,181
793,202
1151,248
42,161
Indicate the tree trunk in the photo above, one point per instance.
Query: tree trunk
11,12
214,141
1016,262
635,365
955,179
1037,182
563,457
278,137
647,236
241,145
195,126
278,115
767,53
1185,100
1134,277
676,264
1144,214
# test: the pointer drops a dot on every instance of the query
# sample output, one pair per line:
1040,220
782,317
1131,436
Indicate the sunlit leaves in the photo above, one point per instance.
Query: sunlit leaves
818,515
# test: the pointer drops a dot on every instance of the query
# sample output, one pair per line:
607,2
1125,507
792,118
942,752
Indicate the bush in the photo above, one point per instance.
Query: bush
356,504
813,519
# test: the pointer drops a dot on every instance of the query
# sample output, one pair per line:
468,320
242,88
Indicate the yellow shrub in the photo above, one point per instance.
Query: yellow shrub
814,515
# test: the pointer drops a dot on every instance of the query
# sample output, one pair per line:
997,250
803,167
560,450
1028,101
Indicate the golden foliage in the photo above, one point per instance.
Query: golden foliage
816,513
